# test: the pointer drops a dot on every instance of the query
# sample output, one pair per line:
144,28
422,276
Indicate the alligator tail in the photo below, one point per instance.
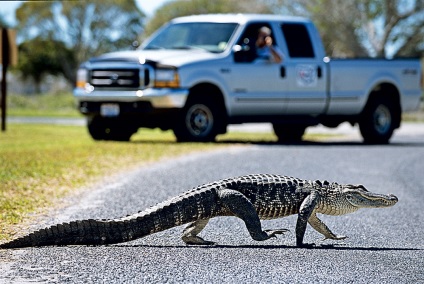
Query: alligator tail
85,232
177,211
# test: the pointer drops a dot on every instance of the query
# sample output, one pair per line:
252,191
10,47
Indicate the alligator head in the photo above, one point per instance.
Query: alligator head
348,198
358,196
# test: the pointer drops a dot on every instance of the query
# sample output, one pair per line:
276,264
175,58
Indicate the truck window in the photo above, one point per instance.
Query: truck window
298,41
248,40
212,37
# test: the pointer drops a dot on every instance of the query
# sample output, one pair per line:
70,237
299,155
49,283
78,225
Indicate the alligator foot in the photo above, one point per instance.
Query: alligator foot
196,240
335,237
190,233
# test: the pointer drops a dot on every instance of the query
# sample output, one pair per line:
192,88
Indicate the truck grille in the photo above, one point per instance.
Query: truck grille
119,78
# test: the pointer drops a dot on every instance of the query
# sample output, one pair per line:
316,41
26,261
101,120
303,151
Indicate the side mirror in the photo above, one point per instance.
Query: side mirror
135,44
240,48
243,53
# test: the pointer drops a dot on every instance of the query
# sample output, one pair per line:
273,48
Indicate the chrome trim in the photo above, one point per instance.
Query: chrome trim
159,98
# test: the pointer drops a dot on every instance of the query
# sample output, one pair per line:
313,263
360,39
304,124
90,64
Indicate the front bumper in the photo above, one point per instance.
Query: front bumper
158,98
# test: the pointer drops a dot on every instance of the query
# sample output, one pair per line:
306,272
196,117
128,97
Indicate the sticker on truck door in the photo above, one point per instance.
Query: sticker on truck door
306,75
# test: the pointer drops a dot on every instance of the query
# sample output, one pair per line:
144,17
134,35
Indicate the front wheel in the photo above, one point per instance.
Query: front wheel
199,121
378,121
101,128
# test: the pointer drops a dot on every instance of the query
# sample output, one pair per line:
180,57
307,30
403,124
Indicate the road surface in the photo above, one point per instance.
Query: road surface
384,245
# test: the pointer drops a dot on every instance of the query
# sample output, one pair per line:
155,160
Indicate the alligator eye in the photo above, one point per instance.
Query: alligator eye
362,187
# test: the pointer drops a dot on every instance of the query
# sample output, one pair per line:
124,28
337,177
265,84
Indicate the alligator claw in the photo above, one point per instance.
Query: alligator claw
340,238
274,233
335,238
197,241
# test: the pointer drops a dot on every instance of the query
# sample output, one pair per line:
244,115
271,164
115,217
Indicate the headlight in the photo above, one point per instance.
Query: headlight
167,78
82,75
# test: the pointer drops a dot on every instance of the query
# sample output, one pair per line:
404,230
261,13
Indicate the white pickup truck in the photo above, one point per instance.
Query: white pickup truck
198,74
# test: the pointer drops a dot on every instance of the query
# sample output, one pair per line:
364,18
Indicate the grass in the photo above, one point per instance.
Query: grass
60,104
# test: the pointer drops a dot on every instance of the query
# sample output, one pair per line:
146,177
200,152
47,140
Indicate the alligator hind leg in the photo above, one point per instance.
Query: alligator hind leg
192,230
241,207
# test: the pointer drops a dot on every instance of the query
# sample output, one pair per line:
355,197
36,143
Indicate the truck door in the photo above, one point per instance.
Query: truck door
256,84
305,72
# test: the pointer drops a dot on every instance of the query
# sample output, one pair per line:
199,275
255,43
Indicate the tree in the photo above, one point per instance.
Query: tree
39,57
399,24
183,8
381,28
86,29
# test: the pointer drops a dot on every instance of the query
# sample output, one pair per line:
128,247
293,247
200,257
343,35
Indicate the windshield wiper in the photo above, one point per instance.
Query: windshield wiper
153,47
187,47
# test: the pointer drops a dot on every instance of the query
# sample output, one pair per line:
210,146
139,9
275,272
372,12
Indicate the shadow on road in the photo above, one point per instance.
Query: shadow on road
330,143
321,247
302,143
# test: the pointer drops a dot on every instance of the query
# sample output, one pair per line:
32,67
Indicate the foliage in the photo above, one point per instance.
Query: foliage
39,57
86,29
180,8
364,27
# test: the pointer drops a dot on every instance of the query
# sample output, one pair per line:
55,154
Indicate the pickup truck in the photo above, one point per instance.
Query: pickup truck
198,74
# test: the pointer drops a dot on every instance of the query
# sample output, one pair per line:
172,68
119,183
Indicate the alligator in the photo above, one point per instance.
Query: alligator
250,197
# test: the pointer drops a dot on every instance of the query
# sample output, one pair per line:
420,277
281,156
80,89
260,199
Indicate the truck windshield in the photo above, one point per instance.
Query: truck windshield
212,37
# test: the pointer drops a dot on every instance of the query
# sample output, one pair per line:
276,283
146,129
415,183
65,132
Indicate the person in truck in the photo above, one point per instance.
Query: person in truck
264,47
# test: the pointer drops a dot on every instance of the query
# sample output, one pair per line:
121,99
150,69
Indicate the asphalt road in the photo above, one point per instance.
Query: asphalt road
384,245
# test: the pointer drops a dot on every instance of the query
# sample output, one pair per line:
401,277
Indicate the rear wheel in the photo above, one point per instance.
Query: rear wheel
200,121
378,121
101,128
289,133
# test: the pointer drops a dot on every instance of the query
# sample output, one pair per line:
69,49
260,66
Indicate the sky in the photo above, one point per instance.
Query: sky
7,8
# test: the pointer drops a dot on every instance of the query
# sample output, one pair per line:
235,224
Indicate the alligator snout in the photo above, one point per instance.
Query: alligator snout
393,197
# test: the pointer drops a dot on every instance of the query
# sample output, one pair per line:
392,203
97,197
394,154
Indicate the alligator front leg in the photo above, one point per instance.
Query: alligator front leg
305,211
241,207
320,227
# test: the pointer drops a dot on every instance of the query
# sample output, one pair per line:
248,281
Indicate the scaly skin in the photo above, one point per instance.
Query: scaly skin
251,198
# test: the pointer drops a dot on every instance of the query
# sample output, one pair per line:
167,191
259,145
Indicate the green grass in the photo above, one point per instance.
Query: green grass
51,105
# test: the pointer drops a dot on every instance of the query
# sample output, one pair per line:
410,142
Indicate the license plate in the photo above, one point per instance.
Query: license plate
109,110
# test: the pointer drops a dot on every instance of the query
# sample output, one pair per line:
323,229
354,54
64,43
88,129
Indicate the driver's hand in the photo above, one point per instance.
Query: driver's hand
268,41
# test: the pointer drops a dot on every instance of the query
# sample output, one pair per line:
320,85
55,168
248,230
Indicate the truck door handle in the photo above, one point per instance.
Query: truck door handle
319,72
283,72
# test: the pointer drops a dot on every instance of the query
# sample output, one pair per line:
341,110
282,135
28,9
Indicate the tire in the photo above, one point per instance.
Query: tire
112,129
289,133
199,121
378,121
